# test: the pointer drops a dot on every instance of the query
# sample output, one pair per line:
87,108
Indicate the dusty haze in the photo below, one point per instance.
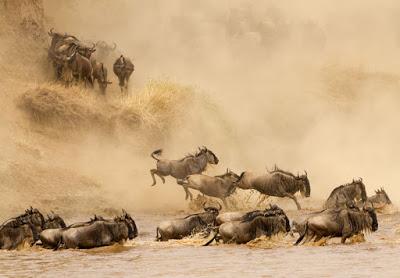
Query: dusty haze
310,87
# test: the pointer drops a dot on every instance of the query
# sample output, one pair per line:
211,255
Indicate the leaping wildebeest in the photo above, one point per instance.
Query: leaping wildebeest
221,186
253,225
276,183
342,223
191,224
123,68
180,169
343,194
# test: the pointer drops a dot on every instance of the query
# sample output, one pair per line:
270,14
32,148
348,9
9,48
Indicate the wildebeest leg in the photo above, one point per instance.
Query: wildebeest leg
155,172
188,193
294,199
152,172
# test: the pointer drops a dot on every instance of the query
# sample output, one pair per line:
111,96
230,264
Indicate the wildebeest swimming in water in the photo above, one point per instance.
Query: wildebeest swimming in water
123,68
221,186
95,233
253,225
379,200
180,169
22,229
341,195
191,224
277,183
342,223
240,216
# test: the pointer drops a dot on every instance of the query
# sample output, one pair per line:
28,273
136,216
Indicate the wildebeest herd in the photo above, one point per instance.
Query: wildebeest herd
347,211
74,63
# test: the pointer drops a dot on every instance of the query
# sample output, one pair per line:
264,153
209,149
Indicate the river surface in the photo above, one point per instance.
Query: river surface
378,256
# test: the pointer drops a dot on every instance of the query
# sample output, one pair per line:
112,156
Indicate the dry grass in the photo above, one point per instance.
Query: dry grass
155,108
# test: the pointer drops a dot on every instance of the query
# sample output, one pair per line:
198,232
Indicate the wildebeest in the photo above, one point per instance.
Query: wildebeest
180,169
277,183
240,216
81,68
341,195
100,74
95,233
342,223
191,224
22,229
379,200
64,45
53,221
123,68
221,186
104,51
252,225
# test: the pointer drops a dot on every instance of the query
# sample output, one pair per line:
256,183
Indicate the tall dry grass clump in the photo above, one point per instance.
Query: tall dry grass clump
155,108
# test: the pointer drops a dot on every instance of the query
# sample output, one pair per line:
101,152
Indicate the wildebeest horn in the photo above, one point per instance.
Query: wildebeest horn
115,46
204,205
51,32
306,173
219,206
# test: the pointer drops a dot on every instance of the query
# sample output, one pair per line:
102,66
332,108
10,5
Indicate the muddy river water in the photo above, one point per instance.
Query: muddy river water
378,256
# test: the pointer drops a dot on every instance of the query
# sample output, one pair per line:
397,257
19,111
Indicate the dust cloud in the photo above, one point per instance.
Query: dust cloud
309,87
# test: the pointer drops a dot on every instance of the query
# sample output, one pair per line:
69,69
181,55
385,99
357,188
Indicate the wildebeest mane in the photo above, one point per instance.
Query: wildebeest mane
270,225
359,221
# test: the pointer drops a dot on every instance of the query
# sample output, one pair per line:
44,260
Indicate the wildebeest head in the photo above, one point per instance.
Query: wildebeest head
359,187
54,221
132,229
34,217
306,184
382,197
212,210
86,51
211,157
372,214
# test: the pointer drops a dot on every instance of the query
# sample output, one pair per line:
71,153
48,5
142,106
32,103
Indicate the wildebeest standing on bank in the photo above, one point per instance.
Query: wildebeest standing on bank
123,68
254,224
100,74
194,223
81,68
221,186
24,228
343,194
180,169
342,223
63,45
277,183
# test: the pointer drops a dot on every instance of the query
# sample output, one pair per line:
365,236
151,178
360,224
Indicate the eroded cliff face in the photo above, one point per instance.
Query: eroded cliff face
24,16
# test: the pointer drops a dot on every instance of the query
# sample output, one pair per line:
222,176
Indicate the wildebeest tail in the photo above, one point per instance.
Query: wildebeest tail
156,152
302,235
